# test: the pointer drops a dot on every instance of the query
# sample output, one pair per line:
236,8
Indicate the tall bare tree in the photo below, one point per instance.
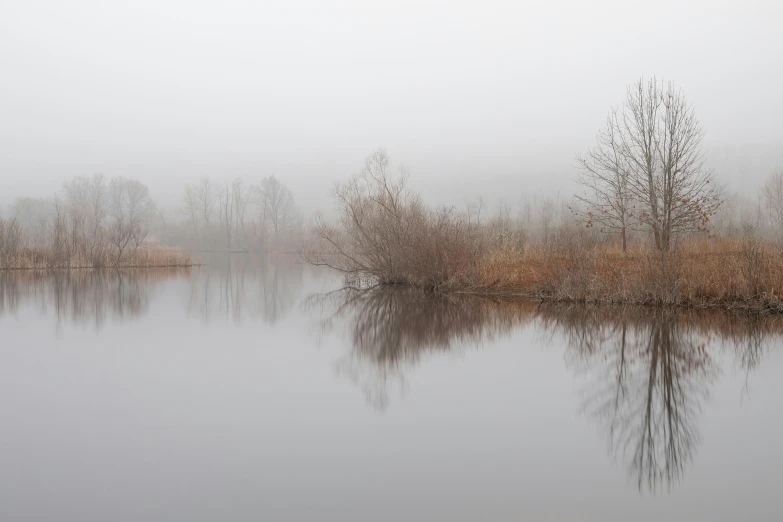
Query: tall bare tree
772,198
226,204
206,195
241,193
191,210
86,199
129,207
605,176
654,144
277,206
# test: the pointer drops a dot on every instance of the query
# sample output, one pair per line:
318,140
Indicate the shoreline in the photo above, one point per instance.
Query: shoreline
747,307
736,306
122,267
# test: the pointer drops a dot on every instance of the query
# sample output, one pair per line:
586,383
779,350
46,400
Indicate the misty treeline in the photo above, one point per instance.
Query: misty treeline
98,222
91,222
650,225
236,216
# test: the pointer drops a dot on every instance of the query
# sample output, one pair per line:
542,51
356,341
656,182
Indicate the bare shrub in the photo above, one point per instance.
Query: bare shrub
772,198
753,262
10,241
385,230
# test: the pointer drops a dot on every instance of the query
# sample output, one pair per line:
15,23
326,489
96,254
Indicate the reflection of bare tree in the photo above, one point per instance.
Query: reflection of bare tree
239,286
82,296
391,329
654,420
651,370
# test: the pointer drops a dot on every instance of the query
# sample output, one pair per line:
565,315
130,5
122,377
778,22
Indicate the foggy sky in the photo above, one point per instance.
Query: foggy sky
492,98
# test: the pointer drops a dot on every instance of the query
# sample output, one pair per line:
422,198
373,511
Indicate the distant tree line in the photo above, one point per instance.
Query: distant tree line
238,215
95,221
90,222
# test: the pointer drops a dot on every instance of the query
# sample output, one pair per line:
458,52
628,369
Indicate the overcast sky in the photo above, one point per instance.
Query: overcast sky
480,97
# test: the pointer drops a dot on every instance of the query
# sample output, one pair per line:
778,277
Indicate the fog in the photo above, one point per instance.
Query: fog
494,98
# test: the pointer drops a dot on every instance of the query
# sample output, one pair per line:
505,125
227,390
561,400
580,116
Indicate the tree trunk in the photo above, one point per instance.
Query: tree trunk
625,241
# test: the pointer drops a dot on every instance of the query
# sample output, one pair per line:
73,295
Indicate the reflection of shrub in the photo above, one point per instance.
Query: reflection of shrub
392,329
83,296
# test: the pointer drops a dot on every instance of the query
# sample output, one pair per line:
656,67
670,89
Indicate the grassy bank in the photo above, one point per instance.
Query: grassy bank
738,274
148,256
385,231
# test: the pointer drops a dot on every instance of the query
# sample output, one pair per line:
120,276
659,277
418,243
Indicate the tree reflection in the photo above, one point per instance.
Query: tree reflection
82,296
649,370
661,375
391,329
245,286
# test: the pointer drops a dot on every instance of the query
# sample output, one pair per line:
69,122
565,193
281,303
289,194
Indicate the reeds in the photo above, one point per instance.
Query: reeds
739,273
146,256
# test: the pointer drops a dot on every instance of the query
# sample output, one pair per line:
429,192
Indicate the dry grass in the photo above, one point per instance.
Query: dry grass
149,256
730,273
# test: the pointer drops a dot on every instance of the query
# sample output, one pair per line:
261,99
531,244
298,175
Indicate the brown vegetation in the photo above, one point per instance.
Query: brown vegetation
91,224
83,296
385,231
647,187
657,353
737,273
146,256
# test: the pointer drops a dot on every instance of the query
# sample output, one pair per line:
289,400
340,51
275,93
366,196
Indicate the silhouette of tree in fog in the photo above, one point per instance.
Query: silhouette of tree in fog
648,167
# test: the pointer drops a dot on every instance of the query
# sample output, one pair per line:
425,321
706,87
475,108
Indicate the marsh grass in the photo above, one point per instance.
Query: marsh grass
146,256
737,273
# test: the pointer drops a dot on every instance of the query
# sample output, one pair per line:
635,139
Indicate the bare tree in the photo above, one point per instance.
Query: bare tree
191,210
474,208
386,232
160,219
654,143
129,206
277,208
206,194
226,211
61,252
10,241
242,195
548,211
772,199
86,201
605,177
35,217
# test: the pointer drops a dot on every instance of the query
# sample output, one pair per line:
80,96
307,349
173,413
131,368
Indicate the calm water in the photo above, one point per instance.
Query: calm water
251,390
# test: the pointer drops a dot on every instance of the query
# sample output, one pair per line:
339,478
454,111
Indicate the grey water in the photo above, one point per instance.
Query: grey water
259,388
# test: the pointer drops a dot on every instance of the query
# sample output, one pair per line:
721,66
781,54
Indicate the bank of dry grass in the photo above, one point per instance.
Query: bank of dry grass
148,256
741,273
384,231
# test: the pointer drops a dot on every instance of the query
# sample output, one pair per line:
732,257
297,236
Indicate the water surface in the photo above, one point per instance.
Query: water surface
254,389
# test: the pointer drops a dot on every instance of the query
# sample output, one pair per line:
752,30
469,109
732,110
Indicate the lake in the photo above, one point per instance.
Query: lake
256,388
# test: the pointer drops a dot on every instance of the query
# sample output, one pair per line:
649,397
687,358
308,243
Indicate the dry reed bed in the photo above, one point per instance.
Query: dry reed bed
144,257
741,274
